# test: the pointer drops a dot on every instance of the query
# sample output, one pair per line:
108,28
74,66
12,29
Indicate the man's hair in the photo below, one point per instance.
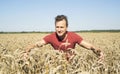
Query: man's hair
60,18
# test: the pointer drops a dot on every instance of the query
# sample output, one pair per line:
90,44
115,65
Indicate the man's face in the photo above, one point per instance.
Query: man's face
61,27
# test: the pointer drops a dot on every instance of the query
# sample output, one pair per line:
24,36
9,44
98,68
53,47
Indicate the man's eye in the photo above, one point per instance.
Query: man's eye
57,27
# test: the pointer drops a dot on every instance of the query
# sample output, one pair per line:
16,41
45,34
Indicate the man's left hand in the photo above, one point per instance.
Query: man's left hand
101,57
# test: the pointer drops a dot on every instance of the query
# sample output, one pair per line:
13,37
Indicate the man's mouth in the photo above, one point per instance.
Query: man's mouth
59,32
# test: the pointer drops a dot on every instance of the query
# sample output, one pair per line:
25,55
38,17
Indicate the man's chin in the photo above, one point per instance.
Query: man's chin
60,34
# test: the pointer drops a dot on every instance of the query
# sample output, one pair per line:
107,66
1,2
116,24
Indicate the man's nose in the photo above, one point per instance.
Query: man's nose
59,29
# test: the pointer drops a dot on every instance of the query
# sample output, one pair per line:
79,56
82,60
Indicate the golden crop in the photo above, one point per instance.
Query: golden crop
46,60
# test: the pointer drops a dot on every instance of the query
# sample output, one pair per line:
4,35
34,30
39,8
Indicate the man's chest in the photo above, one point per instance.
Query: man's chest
63,45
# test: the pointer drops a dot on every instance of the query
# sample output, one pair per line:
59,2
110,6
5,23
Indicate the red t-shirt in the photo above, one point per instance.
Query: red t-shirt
69,42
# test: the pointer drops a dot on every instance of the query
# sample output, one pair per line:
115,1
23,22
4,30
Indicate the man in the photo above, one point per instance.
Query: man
63,40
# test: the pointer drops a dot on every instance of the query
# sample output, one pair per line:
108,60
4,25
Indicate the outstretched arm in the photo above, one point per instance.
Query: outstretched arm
97,51
29,47
37,44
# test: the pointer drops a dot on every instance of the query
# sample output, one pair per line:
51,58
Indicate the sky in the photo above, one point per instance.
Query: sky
39,15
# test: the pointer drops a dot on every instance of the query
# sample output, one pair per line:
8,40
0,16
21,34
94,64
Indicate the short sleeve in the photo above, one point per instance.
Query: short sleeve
78,38
47,39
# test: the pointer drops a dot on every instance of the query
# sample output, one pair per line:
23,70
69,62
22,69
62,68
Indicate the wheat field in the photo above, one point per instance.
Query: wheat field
46,60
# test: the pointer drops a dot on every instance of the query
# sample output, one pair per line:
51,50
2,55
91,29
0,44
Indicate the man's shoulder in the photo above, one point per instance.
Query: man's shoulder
71,33
49,37
52,34
75,36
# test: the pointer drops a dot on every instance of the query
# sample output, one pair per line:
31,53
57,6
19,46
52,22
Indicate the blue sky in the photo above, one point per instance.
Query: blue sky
39,15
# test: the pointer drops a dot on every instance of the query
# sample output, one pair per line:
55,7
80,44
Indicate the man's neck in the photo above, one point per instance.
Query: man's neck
61,38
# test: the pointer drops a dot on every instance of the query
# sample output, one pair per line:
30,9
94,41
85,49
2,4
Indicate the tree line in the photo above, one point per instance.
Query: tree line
2,32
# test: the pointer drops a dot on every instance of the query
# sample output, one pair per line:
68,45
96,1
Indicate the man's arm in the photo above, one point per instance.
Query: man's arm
97,51
37,44
29,47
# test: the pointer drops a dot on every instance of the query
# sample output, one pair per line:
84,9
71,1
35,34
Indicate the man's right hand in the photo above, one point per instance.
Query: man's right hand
25,56
29,47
